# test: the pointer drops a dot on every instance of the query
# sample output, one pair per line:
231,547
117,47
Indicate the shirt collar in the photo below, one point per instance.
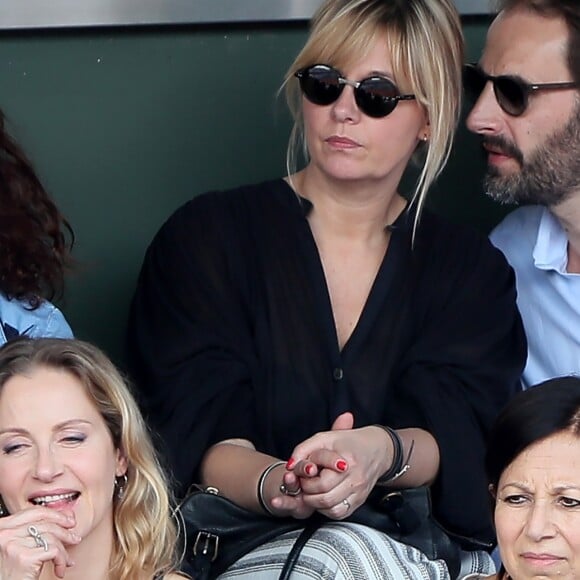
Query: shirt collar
403,221
551,249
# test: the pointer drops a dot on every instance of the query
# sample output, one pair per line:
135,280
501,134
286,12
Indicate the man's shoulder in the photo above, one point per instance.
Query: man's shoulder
519,230
522,219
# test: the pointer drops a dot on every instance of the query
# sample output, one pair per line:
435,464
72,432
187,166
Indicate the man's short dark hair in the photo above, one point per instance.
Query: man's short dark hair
569,10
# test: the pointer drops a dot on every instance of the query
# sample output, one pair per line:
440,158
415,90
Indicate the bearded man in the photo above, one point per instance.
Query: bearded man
527,112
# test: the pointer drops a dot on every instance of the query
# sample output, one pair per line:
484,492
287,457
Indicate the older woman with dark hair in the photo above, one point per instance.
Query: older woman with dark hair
300,342
533,466
35,241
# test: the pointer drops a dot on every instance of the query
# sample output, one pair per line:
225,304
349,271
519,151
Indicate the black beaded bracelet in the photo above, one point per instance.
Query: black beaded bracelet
387,479
397,463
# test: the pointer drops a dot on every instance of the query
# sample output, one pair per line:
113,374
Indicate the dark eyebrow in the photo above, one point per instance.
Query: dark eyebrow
515,77
557,490
566,487
518,485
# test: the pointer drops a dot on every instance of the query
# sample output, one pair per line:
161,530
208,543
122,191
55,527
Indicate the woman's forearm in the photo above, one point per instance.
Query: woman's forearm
420,454
234,467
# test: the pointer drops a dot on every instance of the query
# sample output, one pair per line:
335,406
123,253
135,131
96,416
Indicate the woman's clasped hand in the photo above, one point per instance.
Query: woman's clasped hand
339,470
33,537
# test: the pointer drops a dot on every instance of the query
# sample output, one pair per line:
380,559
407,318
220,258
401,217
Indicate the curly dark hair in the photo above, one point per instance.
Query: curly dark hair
35,239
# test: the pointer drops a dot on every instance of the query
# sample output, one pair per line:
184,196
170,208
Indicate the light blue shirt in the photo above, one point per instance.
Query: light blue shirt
16,319
536,246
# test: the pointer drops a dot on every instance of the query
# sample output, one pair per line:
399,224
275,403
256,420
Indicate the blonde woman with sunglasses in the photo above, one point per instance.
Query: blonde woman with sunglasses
300,341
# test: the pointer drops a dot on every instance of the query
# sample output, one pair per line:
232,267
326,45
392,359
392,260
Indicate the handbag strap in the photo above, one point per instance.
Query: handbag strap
292,558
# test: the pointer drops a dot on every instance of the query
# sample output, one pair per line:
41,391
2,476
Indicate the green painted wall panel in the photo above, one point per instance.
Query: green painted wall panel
124,125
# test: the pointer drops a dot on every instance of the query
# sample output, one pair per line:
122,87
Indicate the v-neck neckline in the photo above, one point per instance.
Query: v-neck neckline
389,265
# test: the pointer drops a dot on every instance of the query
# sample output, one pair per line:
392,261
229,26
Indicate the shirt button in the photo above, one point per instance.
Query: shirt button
337,374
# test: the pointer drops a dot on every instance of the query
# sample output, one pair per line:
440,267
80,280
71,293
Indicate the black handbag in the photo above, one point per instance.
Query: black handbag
217,532
406,515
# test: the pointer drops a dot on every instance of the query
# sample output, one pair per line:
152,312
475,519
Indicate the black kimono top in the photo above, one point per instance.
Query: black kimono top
232,335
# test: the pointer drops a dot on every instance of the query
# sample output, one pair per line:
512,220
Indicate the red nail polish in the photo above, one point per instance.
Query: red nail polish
308,468
290,463
341,465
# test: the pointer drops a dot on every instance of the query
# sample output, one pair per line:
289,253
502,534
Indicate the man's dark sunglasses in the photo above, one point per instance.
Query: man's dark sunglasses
512,92
375,96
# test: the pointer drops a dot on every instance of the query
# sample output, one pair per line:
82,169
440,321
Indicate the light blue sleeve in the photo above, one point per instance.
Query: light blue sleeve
50,323
57,326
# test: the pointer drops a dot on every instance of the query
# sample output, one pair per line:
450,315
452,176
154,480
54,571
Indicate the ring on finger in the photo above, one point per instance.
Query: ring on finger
347,504
39,540
289,492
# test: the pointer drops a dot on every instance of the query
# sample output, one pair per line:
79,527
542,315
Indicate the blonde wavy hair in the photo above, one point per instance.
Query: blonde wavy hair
145,533
425,42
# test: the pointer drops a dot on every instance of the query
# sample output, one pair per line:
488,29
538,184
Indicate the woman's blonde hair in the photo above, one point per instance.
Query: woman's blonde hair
145,534
425,42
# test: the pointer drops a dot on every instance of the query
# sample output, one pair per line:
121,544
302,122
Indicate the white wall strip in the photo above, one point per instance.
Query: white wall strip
18,14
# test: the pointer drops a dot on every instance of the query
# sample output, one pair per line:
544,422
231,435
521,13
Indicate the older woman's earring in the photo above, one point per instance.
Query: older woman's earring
121,485
425,137
3,510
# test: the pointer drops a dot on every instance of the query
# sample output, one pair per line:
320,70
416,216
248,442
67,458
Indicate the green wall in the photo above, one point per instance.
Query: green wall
124,125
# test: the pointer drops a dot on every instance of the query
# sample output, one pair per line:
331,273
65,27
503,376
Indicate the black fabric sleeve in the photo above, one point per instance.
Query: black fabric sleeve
462,369
188,345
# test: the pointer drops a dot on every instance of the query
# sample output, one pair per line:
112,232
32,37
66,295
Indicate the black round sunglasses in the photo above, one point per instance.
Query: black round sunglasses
375,96
511,92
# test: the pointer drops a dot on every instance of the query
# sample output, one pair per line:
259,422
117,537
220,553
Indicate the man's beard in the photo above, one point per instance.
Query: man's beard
548,177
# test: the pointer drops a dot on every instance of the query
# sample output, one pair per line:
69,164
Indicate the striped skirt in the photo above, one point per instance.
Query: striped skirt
347,551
